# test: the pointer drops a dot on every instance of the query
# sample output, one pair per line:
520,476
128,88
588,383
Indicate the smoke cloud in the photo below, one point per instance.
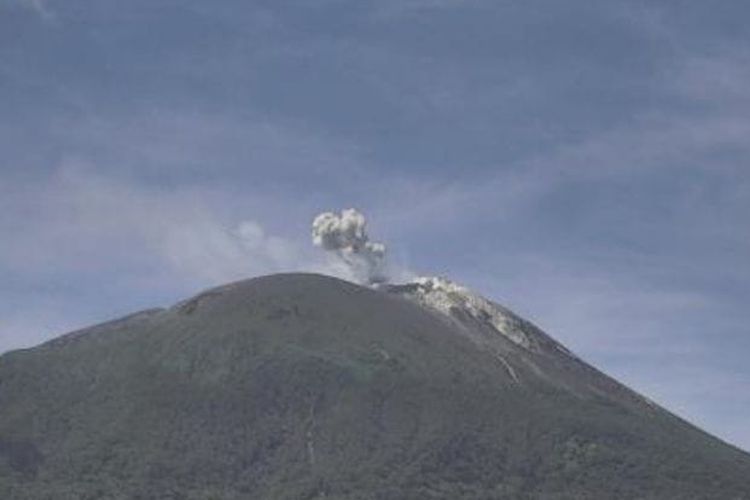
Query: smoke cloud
345,236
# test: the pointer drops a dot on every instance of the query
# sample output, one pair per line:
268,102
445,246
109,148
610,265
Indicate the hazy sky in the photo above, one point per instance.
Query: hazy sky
585,163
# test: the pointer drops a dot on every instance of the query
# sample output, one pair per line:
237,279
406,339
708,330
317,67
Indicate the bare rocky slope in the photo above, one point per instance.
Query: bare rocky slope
301,386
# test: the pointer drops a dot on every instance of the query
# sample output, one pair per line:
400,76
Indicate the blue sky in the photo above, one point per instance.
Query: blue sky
584,163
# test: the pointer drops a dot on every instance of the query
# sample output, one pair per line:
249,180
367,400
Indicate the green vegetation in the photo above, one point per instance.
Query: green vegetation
303,387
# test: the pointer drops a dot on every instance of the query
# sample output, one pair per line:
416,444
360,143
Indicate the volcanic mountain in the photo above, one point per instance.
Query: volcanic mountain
300,386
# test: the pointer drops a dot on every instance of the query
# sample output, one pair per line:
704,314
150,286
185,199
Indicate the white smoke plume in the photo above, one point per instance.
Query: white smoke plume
345,235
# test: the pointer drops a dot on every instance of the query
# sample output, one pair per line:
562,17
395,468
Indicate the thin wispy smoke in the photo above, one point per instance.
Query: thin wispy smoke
345,236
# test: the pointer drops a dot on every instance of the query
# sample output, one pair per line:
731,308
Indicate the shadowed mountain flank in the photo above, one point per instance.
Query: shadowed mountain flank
300,386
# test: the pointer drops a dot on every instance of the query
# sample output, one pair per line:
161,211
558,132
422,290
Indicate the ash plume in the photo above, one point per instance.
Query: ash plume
345,236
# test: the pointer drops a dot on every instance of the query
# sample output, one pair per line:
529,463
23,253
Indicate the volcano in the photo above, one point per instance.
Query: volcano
301,386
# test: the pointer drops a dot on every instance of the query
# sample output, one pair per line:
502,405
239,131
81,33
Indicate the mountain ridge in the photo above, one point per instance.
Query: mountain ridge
303,386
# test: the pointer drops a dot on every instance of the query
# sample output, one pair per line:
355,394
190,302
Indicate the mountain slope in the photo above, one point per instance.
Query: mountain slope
303,386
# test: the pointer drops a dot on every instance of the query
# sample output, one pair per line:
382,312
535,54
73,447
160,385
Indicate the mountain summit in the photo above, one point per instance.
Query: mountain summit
300,386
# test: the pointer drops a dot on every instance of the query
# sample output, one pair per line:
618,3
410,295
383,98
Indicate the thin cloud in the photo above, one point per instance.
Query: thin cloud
39,7
80,220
